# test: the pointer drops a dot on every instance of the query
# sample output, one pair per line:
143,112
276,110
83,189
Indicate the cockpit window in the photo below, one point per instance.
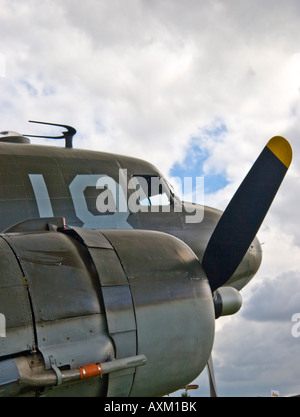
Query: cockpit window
151,190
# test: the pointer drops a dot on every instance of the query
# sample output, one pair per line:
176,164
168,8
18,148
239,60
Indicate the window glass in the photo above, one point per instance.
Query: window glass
151,190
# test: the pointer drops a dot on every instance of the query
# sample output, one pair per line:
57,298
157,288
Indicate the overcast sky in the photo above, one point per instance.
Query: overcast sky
196,87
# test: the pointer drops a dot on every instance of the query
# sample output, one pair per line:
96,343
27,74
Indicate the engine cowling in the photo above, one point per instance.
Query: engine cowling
74,297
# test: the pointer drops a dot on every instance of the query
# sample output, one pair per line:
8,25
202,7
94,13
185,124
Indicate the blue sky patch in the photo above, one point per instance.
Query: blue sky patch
192,165
216,131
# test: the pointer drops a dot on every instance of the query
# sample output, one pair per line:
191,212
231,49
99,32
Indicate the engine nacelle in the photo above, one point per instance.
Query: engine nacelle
137,302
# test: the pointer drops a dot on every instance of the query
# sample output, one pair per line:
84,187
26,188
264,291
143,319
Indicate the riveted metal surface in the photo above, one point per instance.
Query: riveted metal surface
70,324
60,282
168,286
14,305
75,341
109,269
122,328
117,301
19,332
79,319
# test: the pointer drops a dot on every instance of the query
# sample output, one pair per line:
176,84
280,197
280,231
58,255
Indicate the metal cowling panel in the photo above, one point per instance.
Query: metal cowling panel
168,288
115,294
60,282
64,292
9,378
14,305
117,302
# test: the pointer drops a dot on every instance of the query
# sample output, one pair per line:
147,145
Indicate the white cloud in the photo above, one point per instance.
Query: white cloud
251,359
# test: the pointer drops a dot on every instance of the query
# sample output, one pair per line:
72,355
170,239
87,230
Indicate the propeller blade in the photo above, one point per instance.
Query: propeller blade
244,214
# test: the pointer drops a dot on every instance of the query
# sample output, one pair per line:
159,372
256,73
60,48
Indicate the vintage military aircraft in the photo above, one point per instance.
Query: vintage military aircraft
109,284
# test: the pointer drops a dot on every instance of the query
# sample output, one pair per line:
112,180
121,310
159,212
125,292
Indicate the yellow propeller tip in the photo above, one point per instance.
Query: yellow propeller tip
281,149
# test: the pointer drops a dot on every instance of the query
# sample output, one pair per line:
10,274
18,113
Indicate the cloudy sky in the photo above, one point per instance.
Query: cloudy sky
196,87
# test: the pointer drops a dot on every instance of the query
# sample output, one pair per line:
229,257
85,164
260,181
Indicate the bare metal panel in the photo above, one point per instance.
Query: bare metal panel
92,238
119,383
57,274
18,339
125,343
109,269
19,328
75,341
118,306
108,266
9,376
138,251
174,352
119,309
14,305
168,286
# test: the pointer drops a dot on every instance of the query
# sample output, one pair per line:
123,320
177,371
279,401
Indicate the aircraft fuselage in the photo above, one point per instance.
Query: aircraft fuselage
104,191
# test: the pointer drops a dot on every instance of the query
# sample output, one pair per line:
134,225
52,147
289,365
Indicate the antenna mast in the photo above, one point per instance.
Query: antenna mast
67,135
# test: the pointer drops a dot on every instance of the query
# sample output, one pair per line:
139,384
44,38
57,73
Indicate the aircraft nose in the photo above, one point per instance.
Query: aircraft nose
248,267
255,256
